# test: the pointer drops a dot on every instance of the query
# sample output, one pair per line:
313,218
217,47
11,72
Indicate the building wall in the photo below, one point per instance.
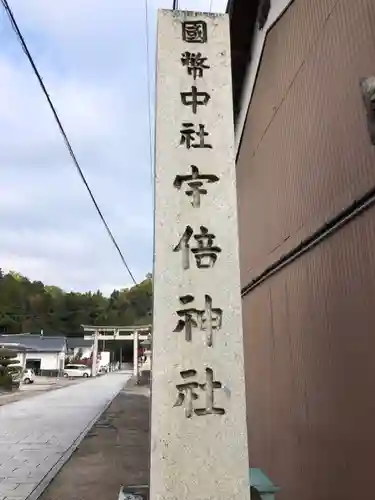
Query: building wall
21,358
305,157
50,362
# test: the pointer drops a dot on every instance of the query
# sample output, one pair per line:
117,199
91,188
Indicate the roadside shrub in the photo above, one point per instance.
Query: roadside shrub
6,382
9,369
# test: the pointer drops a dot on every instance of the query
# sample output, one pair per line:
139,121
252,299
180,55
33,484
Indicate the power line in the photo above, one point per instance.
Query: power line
62,131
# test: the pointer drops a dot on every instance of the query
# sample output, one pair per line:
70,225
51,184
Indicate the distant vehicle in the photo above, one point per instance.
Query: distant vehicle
28,376
74,370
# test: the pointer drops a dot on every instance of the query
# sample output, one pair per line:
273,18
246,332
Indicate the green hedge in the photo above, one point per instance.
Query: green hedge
6,382
9,369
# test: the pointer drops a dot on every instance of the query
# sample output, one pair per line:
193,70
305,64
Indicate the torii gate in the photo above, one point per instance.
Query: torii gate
134,333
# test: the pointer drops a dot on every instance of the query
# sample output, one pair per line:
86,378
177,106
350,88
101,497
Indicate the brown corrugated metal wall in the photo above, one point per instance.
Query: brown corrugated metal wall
310,327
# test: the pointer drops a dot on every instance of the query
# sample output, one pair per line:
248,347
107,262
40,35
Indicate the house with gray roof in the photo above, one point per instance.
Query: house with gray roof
44,354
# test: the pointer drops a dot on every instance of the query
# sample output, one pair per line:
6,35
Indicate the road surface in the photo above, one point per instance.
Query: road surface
41,384
37,435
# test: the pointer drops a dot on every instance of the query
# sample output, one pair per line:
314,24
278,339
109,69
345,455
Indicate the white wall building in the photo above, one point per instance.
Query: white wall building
45,355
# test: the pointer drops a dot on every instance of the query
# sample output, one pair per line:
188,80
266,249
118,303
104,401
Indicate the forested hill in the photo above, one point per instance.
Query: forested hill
31,306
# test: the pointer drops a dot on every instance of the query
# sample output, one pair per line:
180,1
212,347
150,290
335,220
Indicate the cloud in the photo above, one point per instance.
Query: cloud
92,56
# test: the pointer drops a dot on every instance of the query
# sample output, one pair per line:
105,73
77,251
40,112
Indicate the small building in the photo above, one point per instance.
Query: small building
45,355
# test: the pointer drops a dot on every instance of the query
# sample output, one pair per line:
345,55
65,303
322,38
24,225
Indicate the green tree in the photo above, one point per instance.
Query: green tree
31,306
8,367
78,355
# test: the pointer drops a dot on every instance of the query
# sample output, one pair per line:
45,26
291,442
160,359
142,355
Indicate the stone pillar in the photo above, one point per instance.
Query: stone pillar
135,354
198,417
95,355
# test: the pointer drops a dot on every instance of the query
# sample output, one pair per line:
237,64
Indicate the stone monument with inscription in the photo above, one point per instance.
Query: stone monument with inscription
198,418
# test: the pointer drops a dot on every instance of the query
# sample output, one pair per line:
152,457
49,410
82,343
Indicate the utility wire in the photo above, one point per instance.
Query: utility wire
62,131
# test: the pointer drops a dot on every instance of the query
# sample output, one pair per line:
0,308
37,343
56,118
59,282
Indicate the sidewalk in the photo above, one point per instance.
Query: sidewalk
114,453
37,435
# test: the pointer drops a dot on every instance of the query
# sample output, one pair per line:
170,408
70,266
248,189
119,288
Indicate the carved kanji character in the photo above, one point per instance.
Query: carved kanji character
205,253
187,394
207,319
195,181
194,63
194,31
189,136
194,98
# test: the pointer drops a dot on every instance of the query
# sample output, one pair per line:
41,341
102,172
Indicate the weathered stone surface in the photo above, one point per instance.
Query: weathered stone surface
198,433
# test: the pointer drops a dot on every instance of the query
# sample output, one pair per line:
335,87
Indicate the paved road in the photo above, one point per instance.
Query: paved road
37,434
41,384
